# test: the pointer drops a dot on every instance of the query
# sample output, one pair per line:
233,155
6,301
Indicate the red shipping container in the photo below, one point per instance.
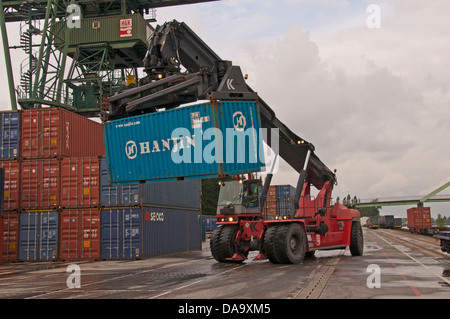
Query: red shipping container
419,218
79,234
10,236
40,184
55,132
80,182
272,191
1,239
12,185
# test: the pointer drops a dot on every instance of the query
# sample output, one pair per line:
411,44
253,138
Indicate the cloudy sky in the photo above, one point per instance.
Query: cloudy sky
373,101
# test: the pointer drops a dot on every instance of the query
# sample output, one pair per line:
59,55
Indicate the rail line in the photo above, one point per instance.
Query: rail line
417,247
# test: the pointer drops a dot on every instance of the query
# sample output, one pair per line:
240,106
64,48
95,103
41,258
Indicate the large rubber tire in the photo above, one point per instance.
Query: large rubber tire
285,243
356,239
222,243
269,243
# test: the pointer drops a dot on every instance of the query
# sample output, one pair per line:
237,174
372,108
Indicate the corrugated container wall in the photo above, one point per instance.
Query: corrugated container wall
80,182
79,234
11,192
418,218
285,194
166,230
40,184
132,233
116,195
38,236
189,142
54,132
183,194
9,135
121,233
1,239
10,236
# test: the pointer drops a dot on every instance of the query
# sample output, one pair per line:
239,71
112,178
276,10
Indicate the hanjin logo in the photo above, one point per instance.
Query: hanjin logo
131,149
239,121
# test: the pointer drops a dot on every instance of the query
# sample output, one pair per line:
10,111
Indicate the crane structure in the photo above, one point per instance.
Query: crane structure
432,197
180,69
77,53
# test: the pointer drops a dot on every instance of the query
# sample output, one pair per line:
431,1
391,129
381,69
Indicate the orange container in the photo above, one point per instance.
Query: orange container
10,236
12,185
55,132
419,219
40,184
79,234
80,182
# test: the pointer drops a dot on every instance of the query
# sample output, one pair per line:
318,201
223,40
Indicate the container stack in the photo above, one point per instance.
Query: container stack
59,215
9,161
278,201
145,220
51,207
59,204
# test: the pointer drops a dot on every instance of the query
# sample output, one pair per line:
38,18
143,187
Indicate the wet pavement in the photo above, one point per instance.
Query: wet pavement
394,265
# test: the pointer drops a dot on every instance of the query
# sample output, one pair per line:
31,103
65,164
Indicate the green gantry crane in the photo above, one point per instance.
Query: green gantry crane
77,52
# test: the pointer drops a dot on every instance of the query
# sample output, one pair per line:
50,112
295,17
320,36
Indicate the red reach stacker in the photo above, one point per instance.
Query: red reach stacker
314,225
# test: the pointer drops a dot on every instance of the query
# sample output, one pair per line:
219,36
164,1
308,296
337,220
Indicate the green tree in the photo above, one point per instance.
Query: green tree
210,194
440,220
369,211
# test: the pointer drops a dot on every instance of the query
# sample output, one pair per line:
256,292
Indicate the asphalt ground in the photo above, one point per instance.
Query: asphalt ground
395,265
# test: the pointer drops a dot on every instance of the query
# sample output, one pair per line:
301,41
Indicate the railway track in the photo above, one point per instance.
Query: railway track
425,244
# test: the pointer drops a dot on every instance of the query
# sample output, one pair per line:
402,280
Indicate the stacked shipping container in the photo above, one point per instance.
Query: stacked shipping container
278,201
144,220
51,164
9,161
59,203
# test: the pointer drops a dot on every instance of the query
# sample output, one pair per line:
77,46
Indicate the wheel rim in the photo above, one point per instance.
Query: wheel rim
294,243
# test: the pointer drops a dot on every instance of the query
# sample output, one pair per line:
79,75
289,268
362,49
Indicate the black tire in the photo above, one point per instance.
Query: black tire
286,244
356,239
269,243
222,243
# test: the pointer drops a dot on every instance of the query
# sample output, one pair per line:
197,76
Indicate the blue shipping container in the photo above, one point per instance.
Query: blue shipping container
132,233
284,192
120,233
196,141
185,194
209,222
167,230
116,195
9,135
38,236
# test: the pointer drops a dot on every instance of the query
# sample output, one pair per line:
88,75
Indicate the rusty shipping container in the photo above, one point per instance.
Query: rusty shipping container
11,199
80,182
79,234
1,239
10,236
40,184
419,219
55,132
